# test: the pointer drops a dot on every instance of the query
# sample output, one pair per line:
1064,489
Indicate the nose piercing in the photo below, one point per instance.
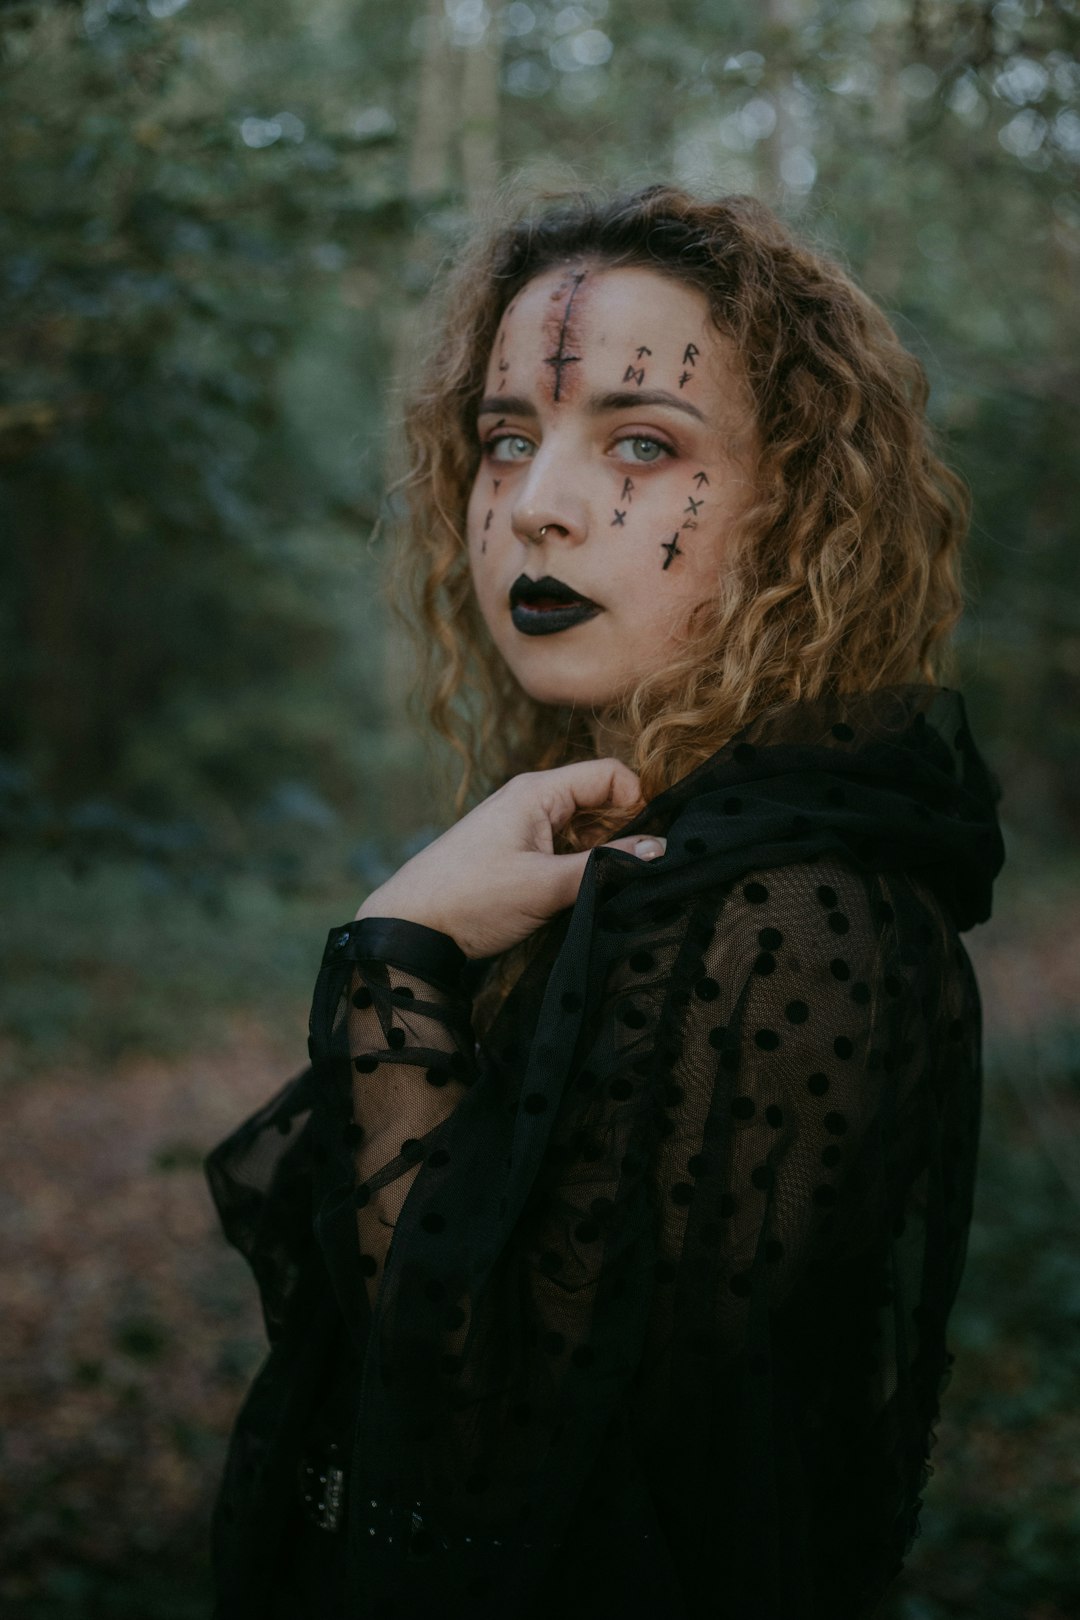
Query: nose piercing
544,530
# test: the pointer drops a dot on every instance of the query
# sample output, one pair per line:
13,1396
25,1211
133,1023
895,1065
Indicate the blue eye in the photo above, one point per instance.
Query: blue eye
645,450
508,447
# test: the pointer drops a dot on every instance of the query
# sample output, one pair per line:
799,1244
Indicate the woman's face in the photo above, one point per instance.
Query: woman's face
617,445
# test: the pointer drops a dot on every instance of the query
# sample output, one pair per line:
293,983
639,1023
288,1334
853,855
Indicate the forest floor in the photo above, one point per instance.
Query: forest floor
130,1330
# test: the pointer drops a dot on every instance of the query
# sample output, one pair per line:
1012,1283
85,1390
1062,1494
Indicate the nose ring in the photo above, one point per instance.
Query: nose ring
544,530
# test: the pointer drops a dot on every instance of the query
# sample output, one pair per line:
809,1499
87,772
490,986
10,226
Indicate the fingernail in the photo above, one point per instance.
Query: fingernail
647,849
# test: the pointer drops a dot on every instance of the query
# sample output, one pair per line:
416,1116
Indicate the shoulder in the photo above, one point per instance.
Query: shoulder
825,923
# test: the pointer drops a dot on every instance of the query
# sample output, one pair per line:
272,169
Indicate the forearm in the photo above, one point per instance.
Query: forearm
392,1042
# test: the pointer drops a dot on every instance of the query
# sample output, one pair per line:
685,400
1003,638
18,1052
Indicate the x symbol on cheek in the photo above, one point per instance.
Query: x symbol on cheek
619,520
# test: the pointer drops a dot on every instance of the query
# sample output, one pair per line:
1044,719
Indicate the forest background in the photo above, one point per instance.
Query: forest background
218,224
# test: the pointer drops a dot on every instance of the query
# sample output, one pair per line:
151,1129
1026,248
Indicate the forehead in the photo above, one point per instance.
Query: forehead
607,308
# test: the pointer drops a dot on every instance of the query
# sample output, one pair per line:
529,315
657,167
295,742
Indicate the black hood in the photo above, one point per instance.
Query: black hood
891,780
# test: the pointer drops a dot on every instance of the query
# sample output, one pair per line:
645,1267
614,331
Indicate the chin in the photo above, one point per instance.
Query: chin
560,676
561,690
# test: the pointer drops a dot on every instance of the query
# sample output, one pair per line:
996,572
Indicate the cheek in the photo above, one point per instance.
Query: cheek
474,512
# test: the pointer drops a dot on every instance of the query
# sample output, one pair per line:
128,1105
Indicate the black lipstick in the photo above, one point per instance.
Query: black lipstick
540,607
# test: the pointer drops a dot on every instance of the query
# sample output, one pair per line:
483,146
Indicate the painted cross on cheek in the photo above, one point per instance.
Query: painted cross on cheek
619,520
673,550
692,506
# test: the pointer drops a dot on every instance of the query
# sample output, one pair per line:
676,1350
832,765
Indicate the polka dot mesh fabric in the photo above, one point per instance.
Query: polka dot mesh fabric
636,1304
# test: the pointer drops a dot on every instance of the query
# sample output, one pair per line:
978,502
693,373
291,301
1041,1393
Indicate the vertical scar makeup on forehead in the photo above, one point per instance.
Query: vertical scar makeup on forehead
562,332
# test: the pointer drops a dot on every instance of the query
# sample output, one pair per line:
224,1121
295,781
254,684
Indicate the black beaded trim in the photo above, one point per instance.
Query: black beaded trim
322,1487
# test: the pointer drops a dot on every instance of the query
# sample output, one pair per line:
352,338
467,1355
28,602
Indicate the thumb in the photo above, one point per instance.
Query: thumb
647,847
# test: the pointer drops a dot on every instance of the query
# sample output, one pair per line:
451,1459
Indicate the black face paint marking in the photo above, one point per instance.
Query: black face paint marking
692,506
487,521
627,490
495,482
685,378
701,478
673,550
690,354
483,547
643,351
618,521
689,524
560,359
638,376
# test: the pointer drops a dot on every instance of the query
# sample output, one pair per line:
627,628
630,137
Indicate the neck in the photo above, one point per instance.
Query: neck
611,740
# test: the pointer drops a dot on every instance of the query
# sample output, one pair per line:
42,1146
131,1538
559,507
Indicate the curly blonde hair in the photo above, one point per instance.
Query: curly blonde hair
843,574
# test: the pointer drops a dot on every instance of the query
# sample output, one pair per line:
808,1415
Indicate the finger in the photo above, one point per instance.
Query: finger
646,847
586,786
563,873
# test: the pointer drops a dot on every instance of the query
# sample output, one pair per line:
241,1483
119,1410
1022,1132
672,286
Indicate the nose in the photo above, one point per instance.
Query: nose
546,505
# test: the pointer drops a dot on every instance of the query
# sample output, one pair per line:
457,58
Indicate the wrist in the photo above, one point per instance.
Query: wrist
383,902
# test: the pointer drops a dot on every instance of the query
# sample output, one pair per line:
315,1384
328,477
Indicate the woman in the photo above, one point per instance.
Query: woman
608,1245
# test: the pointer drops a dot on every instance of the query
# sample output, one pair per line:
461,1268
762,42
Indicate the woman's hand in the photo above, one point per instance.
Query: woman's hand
493,878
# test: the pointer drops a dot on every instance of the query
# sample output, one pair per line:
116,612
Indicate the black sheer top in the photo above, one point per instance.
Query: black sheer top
637,1305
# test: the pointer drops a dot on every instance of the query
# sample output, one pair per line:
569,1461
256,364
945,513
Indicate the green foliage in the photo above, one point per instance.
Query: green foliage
216,226
214,235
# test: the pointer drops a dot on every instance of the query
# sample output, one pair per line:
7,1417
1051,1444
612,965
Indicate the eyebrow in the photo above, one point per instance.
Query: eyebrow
596,404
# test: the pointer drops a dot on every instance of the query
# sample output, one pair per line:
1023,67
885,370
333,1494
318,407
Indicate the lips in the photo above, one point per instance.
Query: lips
541,607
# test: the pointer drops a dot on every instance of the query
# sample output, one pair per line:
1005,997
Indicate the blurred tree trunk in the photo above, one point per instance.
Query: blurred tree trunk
61,729
433,131
457,111
781,19
480,117
883,266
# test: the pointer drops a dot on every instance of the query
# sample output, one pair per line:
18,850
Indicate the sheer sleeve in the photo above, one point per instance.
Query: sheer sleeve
390,1026
703,1278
